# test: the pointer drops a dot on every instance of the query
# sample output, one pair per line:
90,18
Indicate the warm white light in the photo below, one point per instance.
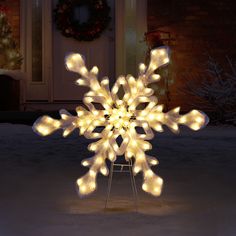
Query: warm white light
136,169
69,65
156,77
99,160
154,162
199,119
79,181
80,82
85,163
142,67
182,120
176,110
144,187
162,52
83,70
92,173
104,171
43,130
166,60
195,126
149,173
76,57
119,117
105,82
94,70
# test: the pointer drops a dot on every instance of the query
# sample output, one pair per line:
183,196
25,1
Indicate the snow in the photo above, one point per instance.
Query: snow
38,197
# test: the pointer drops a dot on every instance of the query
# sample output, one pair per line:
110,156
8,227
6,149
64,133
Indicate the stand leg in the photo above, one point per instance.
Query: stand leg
109,184
133,185
132,179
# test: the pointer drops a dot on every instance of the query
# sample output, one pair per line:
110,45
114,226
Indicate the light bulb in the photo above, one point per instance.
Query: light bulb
195,126
162,52
154,52
199,119
157,190
175,127
159,181
182,120
66,132
104,171
99,160
105,82
146,146
95,70
144,187
83,189
83,70
79,181
85,163
92,185
142,67
158,128
151,116
80,82
176,110
166,60
156,77
148,173
136,169
69,65
76,57
129,154
92,173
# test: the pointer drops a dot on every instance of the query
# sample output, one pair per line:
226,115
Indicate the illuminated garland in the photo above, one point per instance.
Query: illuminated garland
70,27
120,117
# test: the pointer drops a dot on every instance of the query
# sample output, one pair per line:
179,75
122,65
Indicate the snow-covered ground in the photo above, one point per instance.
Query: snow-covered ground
38,197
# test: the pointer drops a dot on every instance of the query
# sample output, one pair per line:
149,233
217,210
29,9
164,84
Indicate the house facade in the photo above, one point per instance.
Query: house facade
193,30
45,82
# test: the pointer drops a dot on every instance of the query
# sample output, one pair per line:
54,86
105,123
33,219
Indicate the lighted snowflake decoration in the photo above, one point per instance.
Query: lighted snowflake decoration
120,117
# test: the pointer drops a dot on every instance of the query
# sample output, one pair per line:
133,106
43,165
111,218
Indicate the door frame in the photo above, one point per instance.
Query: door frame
131,25
36,91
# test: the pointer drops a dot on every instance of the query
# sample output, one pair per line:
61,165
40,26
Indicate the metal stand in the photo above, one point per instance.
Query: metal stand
122,168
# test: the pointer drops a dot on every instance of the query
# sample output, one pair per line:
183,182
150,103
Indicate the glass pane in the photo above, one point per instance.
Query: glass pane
37,40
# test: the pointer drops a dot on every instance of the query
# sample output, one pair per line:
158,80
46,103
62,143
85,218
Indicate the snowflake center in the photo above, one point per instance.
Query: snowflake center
120,117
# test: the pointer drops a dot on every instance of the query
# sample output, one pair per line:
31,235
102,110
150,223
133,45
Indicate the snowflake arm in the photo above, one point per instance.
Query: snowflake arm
156,118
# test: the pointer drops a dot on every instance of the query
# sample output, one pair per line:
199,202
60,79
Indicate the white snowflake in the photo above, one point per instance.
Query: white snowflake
120,117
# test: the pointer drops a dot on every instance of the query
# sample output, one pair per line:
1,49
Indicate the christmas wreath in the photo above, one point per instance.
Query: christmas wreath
71,26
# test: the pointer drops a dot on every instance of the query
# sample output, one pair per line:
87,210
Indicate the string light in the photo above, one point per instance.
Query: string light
120,117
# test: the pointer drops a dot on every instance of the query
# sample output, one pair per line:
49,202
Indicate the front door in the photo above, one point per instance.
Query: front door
100,53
